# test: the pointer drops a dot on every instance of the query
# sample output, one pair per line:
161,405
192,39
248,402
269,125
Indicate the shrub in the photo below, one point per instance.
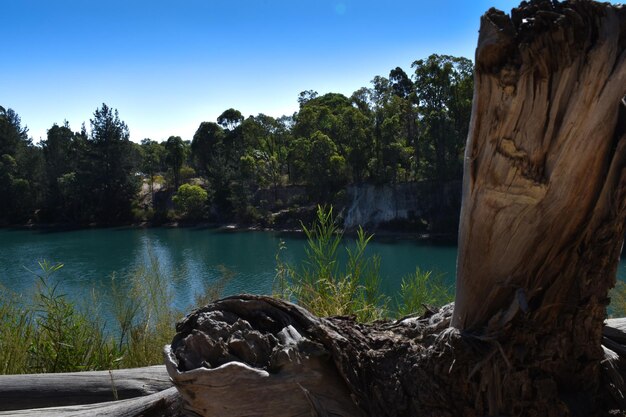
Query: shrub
421,289
323,285
190,201
187,172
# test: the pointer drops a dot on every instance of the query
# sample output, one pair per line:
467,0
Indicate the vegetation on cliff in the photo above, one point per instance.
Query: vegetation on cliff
406,127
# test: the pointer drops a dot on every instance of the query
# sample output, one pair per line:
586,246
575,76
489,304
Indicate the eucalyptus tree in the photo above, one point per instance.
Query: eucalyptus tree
153,159
21,169
444,86
175,155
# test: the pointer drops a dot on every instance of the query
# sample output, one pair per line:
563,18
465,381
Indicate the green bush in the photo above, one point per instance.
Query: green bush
187,172
421,289
326,287
190,201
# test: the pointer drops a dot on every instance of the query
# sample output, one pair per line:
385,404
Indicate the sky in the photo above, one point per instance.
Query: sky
167,66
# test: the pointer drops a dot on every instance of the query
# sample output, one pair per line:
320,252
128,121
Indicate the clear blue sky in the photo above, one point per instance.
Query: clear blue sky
167,66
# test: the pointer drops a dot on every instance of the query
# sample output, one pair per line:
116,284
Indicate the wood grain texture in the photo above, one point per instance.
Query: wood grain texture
165,403
49,390
544,198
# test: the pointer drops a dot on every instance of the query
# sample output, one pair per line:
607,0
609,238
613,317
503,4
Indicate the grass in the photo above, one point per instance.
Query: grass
50,333
327,287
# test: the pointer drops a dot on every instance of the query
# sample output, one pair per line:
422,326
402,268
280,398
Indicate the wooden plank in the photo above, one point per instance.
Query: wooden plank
160,404
615,329
50,390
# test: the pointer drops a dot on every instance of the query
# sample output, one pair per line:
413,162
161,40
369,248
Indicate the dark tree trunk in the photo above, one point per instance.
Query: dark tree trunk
542,227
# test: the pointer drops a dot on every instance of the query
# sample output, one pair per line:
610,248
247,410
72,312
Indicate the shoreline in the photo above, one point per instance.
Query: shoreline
378,233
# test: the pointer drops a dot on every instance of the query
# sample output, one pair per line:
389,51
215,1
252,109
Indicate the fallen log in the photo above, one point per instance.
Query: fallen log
50,390
161,404
249,352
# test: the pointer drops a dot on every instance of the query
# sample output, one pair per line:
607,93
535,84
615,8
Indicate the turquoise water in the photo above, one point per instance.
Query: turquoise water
191,258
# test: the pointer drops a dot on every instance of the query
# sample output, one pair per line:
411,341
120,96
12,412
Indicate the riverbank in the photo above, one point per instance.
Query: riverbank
388,234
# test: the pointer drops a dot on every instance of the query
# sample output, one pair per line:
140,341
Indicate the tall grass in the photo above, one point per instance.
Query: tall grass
421,289
51,333
326,286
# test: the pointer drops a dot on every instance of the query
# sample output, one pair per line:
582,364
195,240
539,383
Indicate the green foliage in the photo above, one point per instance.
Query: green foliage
53,334
327,287
323,284
144,314
422,289
187,173
617,308
17,333
176,152
190,201
444,87
109,181
407,127
66,339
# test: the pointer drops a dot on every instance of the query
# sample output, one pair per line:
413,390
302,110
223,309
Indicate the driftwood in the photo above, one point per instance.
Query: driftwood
255,355
162,404
542,226
50,390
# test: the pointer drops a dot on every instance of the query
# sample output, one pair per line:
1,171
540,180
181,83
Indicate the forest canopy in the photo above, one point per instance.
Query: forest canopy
404,127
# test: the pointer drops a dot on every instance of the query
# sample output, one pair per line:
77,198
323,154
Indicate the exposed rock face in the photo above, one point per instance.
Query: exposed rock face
434,204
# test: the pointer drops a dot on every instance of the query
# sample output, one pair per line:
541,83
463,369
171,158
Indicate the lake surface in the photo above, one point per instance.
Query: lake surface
191,258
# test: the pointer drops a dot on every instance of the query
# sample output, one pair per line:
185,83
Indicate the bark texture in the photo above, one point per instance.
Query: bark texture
542,220
255,355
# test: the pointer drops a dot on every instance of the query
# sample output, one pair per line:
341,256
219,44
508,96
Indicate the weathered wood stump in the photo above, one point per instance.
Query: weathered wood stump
542,225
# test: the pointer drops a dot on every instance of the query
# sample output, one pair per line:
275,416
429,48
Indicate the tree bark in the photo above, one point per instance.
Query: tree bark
542,226
542,221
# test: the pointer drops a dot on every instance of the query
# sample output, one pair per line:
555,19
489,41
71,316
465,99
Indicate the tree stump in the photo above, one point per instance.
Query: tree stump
542,227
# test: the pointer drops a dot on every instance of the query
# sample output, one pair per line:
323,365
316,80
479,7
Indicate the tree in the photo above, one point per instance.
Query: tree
306,96
265,141
152,161
21,170
217,159
112,163
444,93
176,153
542,228
404,90
230,119
62,150
207,144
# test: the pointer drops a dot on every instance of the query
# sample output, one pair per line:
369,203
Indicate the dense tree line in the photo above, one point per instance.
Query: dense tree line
405,127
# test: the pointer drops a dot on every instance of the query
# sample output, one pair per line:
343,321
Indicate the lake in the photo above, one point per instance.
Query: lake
191,257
